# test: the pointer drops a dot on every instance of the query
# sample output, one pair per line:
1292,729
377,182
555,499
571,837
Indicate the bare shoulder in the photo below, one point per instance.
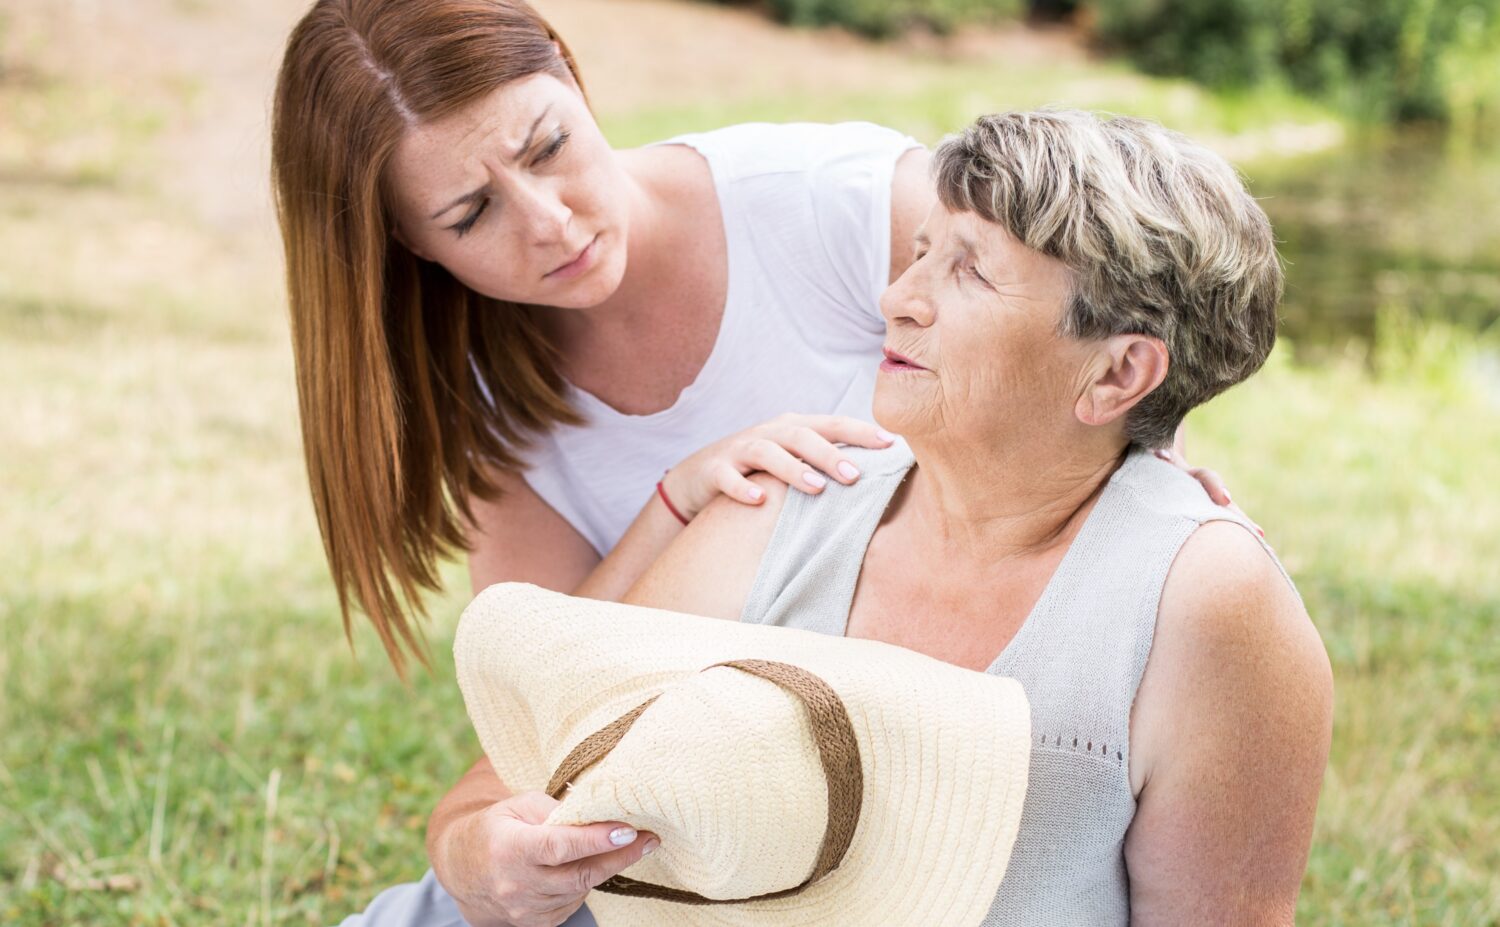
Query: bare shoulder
1225,592
1232,635
709,568
1230,733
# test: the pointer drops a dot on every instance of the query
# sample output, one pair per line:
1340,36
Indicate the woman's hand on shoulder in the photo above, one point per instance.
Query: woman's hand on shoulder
799,450
1212,483
1230,734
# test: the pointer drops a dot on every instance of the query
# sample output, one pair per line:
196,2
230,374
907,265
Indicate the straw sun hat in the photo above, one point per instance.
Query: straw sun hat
794,778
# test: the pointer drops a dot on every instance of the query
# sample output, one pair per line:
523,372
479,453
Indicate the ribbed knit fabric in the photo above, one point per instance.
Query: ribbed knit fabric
1079,655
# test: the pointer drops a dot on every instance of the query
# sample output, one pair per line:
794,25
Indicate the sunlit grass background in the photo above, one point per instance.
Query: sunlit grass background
184,735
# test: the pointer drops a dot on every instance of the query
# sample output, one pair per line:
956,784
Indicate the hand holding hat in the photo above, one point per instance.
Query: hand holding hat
793,777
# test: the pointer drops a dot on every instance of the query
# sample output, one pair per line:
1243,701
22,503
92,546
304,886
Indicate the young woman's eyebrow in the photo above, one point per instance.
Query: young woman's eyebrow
469,197
478,193
531,133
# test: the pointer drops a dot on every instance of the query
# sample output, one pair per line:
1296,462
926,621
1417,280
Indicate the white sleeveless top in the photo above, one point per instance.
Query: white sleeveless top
806,212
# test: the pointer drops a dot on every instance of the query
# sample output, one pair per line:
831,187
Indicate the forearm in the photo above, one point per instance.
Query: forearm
477,790
651,533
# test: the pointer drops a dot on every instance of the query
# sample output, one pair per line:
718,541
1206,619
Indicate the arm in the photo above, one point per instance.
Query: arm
519,537
1229,737
912,195
709,568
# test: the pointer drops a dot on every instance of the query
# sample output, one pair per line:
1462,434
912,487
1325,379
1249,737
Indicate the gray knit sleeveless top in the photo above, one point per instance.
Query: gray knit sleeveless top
1079,654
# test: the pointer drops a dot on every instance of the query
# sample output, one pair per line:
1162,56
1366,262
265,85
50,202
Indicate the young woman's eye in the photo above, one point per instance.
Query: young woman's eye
556,145
468,221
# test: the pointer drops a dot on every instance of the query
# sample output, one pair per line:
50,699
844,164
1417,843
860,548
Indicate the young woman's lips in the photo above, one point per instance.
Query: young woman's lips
894,362
578,265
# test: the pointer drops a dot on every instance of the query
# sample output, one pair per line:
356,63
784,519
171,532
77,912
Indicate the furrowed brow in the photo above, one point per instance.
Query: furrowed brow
469,197
481,192
531,133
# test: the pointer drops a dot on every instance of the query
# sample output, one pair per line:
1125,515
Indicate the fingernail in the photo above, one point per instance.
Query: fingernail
755,492
1228,499
622,835
650,846
848,470
815,480
884,435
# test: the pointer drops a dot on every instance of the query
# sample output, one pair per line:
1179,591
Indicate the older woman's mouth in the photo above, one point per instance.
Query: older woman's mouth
894,361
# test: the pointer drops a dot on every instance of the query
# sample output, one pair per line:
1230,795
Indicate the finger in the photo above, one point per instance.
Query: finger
732,483
583,876
1210,480
1213,484
841,429
1241,512
770,456
559,844
558,916
813,449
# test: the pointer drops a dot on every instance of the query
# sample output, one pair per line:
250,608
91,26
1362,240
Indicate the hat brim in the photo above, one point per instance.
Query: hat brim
944,750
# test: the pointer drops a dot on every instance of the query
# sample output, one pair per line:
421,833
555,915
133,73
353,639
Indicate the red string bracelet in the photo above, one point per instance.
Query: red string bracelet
662,491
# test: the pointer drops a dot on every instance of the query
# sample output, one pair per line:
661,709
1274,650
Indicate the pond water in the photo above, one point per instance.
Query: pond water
1406,222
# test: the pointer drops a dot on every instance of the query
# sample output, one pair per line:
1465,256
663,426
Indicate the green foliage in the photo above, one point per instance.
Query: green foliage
1385,59
881,18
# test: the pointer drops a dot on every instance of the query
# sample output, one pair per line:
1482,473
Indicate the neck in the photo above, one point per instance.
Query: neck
994,501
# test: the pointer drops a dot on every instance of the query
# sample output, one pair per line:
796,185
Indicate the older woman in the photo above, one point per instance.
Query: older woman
1080,286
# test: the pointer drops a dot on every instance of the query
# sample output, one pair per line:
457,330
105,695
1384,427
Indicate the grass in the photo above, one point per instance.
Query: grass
185,739
1373,489
1267,121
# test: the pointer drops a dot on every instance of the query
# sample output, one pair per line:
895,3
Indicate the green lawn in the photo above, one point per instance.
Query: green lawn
185,738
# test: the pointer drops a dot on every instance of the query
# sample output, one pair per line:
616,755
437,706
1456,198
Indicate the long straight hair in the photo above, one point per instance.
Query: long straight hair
410,385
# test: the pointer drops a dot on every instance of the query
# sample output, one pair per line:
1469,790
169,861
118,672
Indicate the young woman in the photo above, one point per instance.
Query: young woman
506,332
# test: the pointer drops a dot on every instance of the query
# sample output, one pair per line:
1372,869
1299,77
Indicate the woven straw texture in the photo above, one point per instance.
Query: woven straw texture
724,767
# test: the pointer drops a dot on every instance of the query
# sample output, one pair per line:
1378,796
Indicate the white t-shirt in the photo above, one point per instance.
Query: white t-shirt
806,212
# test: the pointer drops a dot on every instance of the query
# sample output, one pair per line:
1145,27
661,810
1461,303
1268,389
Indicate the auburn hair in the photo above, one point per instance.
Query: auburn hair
411,386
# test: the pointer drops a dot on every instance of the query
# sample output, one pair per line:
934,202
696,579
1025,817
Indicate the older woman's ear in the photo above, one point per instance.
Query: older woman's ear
1126,369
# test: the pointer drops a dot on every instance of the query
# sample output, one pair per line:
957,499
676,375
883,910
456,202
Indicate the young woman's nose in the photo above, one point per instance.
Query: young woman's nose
539,207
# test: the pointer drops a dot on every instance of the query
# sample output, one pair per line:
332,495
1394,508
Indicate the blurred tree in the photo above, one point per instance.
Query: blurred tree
1386,59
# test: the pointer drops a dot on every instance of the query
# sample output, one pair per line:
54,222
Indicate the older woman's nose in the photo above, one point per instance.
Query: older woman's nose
905,300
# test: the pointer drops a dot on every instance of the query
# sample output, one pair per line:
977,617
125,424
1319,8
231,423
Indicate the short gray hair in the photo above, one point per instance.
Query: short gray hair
1158,233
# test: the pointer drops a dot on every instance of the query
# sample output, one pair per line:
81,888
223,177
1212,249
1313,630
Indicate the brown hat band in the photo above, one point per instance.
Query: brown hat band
837,750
